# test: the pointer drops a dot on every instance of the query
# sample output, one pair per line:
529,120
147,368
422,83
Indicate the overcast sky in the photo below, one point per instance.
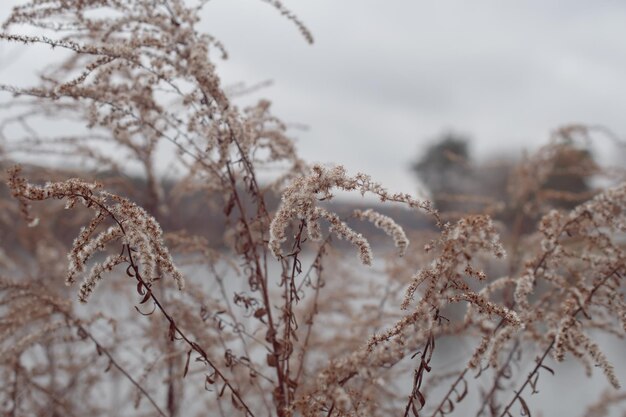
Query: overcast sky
384,78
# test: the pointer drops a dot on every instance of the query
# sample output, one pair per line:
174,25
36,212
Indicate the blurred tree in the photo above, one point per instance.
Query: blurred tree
456,183
445,171
569,179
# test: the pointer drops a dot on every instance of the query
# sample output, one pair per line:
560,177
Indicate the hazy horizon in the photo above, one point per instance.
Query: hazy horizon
381,82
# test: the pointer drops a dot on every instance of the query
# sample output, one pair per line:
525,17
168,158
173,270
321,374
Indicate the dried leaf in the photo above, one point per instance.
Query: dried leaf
547,368
172,331
525,409
187,363
198,349
145,314
414,410
230,204
459,397
235,402
507,372
420,397
82,333
271,360
146,297
533,383
208,381
450,405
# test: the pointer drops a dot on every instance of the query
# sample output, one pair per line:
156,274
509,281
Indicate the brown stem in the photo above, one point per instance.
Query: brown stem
176,330
262,281
418,377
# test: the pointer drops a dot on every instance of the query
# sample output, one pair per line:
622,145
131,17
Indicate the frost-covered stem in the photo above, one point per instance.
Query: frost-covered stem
539,364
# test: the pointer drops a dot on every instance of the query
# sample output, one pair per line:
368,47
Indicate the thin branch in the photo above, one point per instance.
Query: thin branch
102,350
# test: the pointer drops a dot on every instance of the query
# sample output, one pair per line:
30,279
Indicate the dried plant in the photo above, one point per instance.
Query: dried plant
248,304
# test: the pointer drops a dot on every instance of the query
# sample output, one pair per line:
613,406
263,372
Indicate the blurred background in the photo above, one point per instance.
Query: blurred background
385,80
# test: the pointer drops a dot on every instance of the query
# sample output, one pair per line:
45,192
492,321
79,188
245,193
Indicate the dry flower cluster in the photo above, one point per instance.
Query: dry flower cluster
269,316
